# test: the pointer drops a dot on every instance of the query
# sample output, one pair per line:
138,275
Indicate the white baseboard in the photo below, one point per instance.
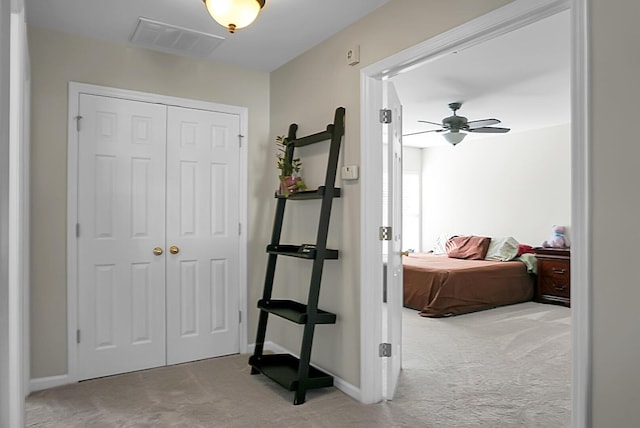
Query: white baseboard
269,346
41,383
344,386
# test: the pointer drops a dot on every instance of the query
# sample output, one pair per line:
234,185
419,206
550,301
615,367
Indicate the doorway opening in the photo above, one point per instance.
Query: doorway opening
485,28
499,343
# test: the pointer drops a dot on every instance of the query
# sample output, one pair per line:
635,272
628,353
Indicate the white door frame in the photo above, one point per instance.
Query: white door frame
14,200
501,21
75,89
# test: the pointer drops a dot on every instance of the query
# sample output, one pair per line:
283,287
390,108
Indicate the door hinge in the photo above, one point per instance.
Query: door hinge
77,118
384,350
239,317
385,115
78,336
77,230
385,233
240,137
239,228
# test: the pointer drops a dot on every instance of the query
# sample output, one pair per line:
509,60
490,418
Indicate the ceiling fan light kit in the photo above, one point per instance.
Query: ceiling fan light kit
234,14
452,125
454,137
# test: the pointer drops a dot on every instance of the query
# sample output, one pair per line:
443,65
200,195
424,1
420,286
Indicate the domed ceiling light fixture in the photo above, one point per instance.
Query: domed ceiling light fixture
454,137
234,14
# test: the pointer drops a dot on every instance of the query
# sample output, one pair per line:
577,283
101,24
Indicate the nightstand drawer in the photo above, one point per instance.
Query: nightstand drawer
557,269
549,286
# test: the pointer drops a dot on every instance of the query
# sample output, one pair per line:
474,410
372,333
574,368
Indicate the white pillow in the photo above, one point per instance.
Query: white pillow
441,242
502,249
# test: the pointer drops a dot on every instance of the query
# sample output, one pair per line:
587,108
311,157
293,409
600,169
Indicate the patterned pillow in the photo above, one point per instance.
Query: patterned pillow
439,247
468,247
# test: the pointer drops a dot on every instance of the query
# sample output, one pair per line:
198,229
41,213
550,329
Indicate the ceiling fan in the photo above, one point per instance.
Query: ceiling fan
452,126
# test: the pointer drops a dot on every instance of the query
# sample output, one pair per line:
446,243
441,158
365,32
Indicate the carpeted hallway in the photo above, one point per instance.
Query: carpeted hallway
506,367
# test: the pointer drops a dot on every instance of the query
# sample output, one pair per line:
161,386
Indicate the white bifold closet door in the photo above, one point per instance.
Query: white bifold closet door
202,221
158,244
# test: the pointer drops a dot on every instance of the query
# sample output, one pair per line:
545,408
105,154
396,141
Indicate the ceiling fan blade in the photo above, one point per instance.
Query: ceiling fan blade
423,132
482,123
432,123
490,130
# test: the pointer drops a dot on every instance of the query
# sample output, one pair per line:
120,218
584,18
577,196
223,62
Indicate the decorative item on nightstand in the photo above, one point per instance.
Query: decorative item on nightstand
554,276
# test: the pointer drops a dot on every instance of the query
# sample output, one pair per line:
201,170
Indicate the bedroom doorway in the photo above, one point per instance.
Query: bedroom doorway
518,14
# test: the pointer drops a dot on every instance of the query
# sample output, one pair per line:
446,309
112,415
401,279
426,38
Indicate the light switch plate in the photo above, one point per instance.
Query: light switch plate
350,172
353,55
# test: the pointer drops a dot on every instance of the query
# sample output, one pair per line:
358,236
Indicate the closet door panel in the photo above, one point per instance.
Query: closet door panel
121,217
203,224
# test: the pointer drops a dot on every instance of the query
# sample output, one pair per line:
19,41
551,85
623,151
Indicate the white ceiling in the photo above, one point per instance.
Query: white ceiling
284,29
521,78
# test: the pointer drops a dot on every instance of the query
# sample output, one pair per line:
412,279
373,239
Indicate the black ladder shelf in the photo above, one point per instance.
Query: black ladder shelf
296,374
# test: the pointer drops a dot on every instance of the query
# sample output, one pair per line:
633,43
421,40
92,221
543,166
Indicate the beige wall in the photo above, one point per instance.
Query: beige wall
56,59
306,91
615,67
521,186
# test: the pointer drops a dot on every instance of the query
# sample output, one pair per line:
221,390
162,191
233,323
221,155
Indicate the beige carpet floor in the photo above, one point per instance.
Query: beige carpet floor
506,367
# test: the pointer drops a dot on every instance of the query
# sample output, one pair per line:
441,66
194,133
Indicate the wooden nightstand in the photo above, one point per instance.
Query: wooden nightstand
554,276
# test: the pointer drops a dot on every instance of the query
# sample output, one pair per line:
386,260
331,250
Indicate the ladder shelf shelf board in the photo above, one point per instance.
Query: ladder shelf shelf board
305,251
283,369
310,194
296,373
295,311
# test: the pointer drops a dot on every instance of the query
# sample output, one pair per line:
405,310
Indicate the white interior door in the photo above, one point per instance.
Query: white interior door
392,309
121,219
203,224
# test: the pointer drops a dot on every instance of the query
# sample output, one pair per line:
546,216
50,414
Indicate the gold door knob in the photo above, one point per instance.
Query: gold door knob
174,249
157,251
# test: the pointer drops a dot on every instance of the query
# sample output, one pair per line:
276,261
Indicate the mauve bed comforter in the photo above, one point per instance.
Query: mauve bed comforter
439,286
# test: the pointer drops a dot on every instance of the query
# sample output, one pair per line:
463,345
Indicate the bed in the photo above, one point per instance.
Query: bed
439,286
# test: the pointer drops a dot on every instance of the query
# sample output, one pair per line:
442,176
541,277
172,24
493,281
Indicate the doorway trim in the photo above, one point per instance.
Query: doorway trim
75,89
498,22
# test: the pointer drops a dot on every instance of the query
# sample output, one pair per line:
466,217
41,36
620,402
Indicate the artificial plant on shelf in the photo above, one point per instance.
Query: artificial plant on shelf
289,167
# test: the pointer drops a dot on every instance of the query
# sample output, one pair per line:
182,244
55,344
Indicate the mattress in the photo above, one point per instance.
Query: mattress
440,286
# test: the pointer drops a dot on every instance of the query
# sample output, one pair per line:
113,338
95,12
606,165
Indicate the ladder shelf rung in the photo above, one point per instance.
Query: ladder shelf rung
294,311
314,138
283,369
309,194
306,251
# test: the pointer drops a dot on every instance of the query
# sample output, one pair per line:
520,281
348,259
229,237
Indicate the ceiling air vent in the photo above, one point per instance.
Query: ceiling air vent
172,39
